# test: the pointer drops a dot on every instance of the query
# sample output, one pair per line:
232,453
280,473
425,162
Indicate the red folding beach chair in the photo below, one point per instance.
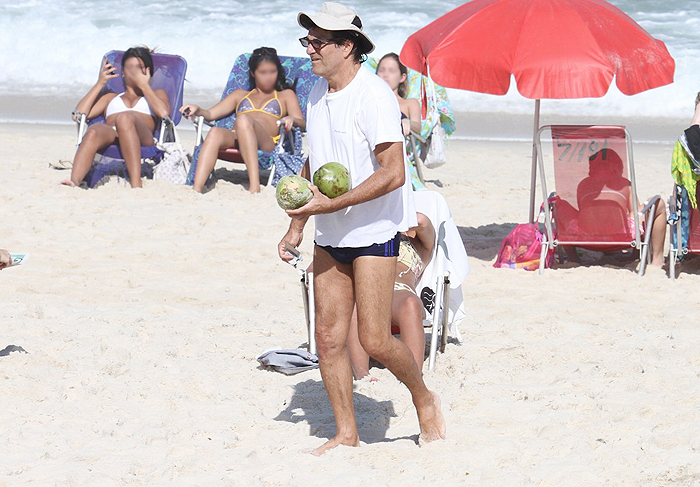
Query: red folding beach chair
678,247
594,205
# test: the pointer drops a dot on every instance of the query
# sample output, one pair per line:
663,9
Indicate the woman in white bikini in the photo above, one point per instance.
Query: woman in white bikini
269,101
130,117
407,311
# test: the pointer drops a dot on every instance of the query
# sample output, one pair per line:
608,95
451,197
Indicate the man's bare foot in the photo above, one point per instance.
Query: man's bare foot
68,182
432,423
332,443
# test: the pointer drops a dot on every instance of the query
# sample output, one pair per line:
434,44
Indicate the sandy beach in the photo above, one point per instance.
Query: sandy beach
142,313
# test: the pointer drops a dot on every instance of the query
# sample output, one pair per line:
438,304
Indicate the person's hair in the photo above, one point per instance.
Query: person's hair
141,52
605,162
268,54
359,51
402,69
697,99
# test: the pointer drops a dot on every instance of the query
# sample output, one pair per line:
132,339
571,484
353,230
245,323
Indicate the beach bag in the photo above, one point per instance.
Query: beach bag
436,143
521,249
175,164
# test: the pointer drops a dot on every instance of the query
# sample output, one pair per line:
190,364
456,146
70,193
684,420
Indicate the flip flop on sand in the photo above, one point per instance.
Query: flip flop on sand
61,164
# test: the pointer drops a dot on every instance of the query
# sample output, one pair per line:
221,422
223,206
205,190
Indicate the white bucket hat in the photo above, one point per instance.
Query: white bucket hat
337,17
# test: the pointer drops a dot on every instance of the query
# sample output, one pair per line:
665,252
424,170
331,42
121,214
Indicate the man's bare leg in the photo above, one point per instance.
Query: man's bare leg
374,287
334,302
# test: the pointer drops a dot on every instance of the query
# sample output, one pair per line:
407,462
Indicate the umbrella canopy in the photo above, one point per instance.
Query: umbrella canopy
553,48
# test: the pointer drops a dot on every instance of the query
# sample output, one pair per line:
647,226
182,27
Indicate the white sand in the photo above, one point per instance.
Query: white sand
143,312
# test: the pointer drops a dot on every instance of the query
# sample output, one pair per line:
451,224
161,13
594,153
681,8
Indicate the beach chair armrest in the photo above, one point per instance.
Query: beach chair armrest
81,123
653,201
199,124
167,131
418,137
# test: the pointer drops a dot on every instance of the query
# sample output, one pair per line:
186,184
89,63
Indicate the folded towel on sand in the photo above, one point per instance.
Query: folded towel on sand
289,362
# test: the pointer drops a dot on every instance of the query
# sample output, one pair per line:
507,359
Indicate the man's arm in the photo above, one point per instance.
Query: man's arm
295,233
387,178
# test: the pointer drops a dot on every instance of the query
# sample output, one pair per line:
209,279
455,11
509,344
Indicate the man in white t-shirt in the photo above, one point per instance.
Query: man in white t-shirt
353,118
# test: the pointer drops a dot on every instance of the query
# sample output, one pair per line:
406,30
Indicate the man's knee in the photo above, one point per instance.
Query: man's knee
328,341
375,344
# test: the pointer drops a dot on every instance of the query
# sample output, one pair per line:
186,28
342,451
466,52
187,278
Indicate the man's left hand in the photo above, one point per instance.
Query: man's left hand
320,203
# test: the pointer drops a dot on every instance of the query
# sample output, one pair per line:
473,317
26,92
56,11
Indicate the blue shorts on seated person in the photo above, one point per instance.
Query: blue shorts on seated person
345,255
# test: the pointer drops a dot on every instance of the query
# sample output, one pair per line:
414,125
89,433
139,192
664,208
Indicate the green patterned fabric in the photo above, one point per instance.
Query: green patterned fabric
683,174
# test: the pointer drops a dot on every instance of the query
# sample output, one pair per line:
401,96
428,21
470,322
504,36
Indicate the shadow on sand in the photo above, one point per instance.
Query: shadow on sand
239,177
310,404
483,242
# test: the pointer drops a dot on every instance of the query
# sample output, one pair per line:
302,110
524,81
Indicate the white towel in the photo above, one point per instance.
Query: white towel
450,255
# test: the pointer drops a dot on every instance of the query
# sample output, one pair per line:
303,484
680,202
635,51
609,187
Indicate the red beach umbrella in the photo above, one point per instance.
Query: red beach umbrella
554,49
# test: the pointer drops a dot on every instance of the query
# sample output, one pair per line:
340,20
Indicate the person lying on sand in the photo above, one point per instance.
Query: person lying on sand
130,117
270,101
407,311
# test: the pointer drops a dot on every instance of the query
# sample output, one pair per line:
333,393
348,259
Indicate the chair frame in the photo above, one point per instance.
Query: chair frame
166,133
549,242
674,250
437,322
199,124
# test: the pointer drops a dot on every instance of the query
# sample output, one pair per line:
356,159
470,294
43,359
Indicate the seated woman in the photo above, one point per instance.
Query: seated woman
607,189
390,69
258,111
130,117
407,311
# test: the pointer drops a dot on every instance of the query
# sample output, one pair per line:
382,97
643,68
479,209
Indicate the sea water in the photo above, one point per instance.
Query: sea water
54,47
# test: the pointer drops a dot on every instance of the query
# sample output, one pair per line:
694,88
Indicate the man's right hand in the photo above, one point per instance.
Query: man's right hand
293,238
5,258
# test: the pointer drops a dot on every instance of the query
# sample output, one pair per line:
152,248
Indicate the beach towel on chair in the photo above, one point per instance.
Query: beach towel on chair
682,165
287,160
106,167
449,256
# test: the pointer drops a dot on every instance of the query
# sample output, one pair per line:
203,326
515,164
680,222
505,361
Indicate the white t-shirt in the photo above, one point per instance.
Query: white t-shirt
345,127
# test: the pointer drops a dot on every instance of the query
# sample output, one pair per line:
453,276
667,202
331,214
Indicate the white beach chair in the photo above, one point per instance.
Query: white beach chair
440,285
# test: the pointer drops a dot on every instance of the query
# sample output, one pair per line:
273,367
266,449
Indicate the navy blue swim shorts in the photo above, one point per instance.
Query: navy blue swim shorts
345,255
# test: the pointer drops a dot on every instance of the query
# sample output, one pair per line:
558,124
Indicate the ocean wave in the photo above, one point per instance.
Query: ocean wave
56,47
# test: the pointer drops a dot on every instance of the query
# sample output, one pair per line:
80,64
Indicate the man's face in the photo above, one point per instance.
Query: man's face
326,56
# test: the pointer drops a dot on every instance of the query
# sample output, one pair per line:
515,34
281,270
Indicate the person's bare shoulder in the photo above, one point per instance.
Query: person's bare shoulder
287,94
412,102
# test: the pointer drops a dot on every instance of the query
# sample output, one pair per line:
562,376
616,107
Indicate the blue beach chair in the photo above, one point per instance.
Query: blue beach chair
286,157
169,75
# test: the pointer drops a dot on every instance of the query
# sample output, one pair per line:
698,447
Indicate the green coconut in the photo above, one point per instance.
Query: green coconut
332,179
293,192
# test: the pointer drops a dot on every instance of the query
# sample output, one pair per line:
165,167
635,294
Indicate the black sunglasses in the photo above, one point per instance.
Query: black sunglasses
317,44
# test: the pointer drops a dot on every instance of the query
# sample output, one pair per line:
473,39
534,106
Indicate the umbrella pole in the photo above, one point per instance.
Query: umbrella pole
533,174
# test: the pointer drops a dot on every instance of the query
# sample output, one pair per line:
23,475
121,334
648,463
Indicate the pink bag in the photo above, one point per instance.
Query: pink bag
522,247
